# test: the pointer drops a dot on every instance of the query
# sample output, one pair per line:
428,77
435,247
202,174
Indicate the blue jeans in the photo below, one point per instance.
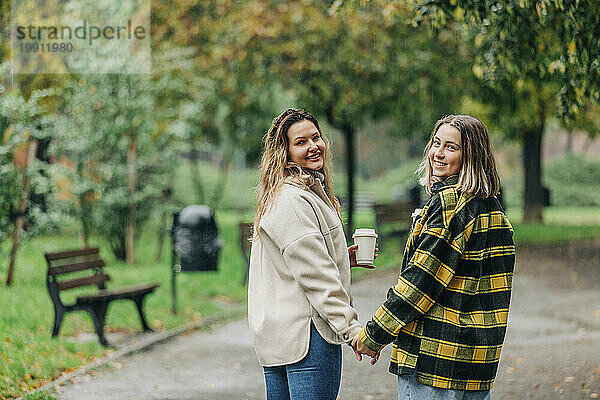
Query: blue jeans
316,377
410,389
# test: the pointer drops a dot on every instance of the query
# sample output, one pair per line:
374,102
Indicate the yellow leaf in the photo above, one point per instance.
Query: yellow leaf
572,48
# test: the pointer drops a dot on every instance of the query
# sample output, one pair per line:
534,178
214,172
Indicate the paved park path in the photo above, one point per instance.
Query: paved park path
552,349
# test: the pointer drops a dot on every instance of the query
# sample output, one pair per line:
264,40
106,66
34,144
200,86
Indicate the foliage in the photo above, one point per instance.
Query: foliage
21,121
346,65
237,97
573,181
536,39
105,119
363,64
527,54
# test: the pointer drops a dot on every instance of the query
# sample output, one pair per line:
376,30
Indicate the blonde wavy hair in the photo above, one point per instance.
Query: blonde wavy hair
276,167
478,174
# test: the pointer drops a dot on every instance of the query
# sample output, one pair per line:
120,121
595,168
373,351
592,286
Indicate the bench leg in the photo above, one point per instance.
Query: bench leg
58,317
139,302
98,314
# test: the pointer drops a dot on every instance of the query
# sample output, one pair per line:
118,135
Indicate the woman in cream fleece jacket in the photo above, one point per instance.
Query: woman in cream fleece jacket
299,304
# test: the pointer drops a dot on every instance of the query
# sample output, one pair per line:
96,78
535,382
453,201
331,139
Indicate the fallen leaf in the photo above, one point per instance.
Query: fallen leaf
28,377
158,324
569,379
518,360
594,395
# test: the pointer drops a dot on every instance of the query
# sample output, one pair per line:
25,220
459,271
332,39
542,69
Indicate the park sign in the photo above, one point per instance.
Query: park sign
80,36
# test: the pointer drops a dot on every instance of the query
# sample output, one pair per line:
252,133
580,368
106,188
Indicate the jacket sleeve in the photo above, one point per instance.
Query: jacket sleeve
421,283
307,259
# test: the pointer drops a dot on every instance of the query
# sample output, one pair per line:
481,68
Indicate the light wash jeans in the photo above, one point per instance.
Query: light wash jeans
410,389
316,377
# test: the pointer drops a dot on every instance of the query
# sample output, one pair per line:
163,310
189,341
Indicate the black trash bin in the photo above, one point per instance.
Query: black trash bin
196,242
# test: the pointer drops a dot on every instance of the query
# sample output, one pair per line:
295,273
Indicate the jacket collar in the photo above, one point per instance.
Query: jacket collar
446,183
317,186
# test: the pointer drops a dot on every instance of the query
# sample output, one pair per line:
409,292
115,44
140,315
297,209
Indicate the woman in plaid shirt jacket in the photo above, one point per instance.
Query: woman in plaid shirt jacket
447,314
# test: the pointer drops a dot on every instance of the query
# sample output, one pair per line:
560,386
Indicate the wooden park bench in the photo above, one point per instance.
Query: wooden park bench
245,229
78,268
398,215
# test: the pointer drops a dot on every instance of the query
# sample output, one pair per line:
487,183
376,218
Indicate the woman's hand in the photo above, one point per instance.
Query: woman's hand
360,349
352,254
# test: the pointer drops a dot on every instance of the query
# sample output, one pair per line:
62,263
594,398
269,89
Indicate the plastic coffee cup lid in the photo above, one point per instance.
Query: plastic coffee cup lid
364,232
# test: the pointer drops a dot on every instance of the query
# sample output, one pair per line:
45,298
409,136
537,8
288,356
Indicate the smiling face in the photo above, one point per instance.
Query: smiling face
445,153
306,146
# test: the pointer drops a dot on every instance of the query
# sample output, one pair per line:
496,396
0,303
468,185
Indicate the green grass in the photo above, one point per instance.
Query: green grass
39,396
560,224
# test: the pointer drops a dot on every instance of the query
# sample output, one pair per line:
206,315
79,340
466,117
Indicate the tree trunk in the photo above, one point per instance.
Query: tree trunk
166,198
86,223
161,235
197,176
532,154
130,233
85,231
569,146
350,155
84,211
219,192
31,151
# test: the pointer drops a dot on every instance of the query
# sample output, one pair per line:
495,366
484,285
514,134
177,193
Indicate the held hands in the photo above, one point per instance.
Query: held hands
360,349
352,254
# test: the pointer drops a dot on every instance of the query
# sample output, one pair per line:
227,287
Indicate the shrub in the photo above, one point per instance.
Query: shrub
573,180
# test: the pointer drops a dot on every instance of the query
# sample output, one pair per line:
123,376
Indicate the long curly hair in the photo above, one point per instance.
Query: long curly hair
276,167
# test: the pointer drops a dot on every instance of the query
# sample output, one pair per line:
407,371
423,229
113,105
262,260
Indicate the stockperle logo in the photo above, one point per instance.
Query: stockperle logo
85,36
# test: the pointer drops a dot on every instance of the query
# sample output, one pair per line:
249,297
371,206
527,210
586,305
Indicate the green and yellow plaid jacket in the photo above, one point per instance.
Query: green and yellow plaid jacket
447,314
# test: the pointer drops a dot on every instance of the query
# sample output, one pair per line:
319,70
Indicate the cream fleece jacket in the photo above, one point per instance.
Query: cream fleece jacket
299,271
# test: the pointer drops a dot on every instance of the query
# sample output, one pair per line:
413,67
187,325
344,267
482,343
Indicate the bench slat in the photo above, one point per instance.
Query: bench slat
90,280
118,293
71,253
394,212
64,269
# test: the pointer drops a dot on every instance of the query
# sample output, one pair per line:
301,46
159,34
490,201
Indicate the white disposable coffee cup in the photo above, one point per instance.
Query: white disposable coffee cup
365,239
